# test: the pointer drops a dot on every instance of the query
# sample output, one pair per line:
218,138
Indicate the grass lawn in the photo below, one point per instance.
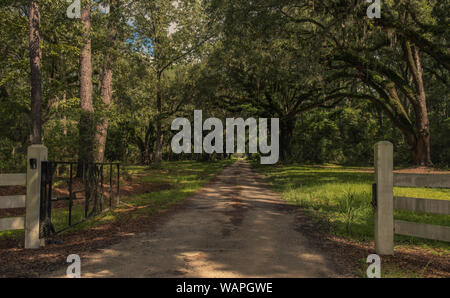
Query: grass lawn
342,196
170,183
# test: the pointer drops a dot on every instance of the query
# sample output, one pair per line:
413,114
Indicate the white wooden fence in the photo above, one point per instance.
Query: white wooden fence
386,203
31,200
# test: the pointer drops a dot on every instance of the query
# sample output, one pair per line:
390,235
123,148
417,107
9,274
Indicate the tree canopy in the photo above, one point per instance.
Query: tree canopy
106,86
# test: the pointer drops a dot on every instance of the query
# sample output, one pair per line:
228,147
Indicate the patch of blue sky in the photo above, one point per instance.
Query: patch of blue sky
102,7
139,43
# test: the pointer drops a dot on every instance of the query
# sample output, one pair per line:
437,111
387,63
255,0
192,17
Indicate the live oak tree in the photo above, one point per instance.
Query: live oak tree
262,62
398,85
385,55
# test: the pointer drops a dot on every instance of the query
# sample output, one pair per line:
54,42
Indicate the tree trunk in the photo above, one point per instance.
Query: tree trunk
86,125
421,153
159,134
146,144
381,123
106,88
102,126
286,130
36,81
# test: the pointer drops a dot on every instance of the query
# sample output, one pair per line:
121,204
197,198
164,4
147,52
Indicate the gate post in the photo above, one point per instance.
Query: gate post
36,154
384,210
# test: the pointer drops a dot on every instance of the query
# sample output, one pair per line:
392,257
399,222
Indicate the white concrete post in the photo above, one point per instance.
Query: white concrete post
384,211
37,153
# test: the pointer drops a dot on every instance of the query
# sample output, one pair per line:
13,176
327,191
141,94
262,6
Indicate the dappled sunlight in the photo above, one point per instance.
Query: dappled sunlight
101,274
424,193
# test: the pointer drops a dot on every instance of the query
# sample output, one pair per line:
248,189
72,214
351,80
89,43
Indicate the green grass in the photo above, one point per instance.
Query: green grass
342,196
177,180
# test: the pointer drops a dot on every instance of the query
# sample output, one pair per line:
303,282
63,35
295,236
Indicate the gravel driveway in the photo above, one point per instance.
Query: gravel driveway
234,227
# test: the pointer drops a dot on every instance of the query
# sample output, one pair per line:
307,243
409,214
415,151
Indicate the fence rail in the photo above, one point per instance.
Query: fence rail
96,194
13,179
422,180
8,202
31,201
406,228
422,205
385,203
12,223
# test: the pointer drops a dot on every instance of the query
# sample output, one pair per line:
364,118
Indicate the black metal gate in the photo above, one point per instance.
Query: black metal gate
68,199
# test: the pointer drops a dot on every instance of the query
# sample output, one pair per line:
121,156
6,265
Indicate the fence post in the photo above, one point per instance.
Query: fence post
36,154
384,210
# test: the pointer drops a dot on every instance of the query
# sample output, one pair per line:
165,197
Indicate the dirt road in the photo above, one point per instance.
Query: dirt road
234,227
